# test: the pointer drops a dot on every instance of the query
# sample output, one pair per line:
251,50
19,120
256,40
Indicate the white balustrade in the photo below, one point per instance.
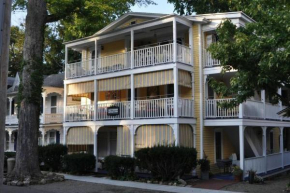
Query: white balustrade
286,158
274,161
115,62
208,60
257,164
215,109
153,55
271,111
11,120
253,109
124,110
80,113
80,69
154,108
183,54
185,108
53,118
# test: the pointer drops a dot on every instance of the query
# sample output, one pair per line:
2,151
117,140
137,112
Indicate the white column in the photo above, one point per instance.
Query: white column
132,140
191,46
132,97
263,99
280,102
65,129
176,91
241,110
205,87
174,40
265,146
96,93
10,141
43,106
176,133
96,146
10,105
282,145
96,55
64,102
241,139
132,49
43,139
66,61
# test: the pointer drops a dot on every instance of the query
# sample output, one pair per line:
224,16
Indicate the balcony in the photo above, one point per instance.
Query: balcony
53,118
148,55
143,109
11,120
250,109
209,61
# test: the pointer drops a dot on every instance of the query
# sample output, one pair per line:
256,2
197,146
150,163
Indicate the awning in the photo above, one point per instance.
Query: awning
123,141
154,79
184,78
119,83
152,135
186,135
80,136
80,88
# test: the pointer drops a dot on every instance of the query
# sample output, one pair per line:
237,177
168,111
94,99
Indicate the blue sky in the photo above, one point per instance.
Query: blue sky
161,7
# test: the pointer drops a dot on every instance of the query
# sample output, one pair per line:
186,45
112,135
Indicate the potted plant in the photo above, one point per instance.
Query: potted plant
252,175
238,173
204,168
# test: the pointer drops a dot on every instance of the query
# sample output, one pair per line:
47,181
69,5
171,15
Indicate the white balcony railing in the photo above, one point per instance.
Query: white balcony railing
115,62
185,108
79,69
124,110
11,120
256,163
208,60
154,108
79,113
147,56
215,109
53,118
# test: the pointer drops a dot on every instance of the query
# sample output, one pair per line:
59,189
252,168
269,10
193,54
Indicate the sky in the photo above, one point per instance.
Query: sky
162,7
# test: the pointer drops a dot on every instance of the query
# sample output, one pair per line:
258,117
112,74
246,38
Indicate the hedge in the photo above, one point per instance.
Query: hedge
167,163
120,167
79,163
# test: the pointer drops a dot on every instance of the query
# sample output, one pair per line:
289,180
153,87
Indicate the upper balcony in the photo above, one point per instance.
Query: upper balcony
129,48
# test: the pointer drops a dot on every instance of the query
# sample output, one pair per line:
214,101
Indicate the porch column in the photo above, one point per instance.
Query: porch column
282,145
174,40
176,134
205,87
65,61
10,105
43,137
191,46
96,55
43,106
241,139
263,99
65,129
132,140
96,146
95,100
10,141
132,97
132,49
264,145
64,102
176,91
280,102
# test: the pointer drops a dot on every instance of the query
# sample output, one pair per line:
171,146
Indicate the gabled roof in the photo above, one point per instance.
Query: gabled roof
54,80
126,17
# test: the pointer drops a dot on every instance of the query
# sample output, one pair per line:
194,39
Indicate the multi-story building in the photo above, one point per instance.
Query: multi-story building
51,119
143,80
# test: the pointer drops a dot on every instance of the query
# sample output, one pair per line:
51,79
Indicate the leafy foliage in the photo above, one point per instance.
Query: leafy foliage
167,162
52,156
79,163
204,164
120,167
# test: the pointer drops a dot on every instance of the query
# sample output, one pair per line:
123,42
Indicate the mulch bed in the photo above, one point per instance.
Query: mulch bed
212,184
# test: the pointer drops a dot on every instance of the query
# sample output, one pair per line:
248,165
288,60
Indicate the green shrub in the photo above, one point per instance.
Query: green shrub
79,163
166,163
8,155
52,156
120,167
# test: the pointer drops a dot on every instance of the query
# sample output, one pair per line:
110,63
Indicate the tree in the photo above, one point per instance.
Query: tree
260,50
39,14
5,20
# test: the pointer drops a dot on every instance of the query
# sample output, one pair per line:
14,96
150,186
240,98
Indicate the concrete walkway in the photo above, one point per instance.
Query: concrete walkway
140,185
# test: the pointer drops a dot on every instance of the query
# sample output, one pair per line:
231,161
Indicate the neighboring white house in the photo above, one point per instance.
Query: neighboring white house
51,118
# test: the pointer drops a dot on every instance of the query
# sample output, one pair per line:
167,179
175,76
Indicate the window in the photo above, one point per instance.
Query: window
271,141
51,137
218,146
133,22
53,102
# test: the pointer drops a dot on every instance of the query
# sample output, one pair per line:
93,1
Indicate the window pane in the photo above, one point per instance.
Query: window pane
218,145
53,101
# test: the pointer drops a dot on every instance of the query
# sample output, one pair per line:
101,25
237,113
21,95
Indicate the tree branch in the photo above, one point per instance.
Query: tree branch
54,18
